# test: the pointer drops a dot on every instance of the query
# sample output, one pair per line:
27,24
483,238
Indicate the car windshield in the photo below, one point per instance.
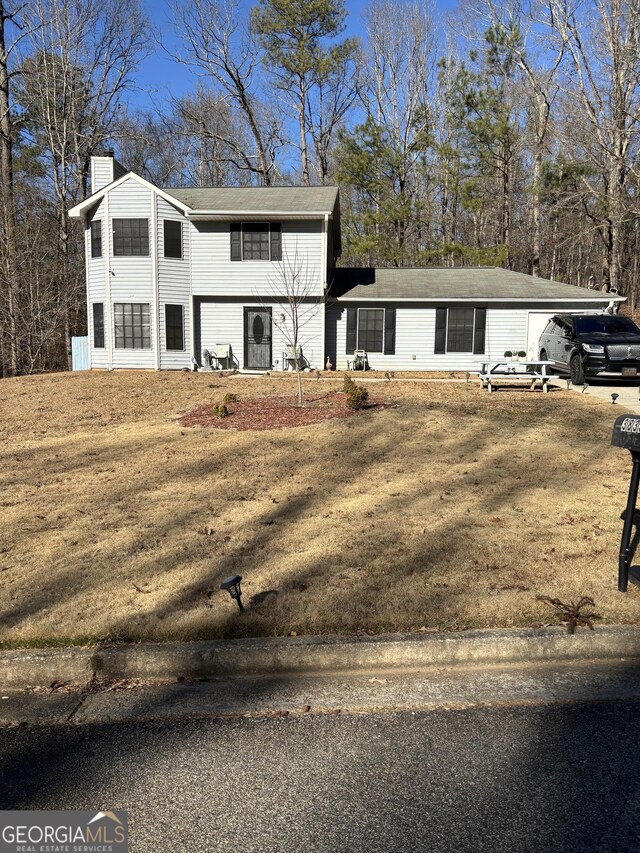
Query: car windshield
609,324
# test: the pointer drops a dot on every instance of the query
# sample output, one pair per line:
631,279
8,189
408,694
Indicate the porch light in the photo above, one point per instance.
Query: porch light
614,397
232,585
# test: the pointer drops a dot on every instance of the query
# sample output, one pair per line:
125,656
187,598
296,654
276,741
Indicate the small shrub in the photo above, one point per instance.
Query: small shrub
521,354
219,410
508,354
347,384
357,397
230,397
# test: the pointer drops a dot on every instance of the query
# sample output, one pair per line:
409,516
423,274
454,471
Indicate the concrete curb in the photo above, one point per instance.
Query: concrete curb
226,658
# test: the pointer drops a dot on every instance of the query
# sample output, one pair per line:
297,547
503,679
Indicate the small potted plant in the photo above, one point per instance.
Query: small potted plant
508,354
522,356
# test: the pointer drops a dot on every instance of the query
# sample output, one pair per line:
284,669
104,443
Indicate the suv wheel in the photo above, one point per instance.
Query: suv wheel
576,370
545,357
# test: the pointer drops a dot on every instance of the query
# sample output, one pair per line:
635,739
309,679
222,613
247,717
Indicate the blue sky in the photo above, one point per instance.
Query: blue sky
159,76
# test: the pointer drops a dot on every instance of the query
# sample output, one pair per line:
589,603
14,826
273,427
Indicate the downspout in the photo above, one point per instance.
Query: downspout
323,310
87,249
192,331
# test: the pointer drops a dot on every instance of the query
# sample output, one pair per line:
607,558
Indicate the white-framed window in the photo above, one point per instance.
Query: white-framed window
132,325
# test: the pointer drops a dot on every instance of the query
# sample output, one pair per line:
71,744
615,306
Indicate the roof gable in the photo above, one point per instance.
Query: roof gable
81,209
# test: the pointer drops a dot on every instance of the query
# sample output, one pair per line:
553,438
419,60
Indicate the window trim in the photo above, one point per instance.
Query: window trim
144,338
473,325
177,222
95,238
166,327
358,345
118,249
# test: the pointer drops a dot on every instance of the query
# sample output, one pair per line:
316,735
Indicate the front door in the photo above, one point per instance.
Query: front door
257,338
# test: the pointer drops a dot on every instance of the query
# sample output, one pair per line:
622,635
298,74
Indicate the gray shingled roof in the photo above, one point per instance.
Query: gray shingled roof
443,285
258,199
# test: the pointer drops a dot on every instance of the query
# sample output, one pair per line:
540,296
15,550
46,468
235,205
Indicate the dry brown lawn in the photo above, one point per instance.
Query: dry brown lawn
449,508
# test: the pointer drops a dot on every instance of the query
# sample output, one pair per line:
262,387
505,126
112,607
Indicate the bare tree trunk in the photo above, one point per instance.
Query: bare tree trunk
302,128
10,248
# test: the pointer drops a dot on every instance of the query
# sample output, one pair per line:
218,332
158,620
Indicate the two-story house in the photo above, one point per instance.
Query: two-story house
174,272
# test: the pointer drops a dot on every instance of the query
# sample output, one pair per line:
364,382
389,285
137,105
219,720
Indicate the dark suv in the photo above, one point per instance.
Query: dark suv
606,345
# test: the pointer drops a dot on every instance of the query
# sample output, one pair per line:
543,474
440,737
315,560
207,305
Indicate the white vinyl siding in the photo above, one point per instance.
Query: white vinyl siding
101,172
215,274
96,290
174,286
131,276
223,323
415,338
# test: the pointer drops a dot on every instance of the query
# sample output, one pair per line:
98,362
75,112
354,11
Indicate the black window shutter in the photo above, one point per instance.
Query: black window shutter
479,330
236,245
276,242
441,331
352,329
390,331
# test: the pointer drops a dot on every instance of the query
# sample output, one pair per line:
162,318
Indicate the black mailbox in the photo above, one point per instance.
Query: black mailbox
626,433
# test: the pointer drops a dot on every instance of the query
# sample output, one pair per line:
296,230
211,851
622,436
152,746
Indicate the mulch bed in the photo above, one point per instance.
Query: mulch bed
276,412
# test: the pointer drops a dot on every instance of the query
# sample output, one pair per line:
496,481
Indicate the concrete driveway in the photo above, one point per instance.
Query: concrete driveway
628,392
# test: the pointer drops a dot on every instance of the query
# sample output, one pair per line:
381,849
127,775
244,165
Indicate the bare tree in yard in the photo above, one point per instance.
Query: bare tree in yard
295,289
218,47
84,54
602,44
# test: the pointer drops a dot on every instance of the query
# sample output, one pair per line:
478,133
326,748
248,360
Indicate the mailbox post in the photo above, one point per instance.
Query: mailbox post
626,433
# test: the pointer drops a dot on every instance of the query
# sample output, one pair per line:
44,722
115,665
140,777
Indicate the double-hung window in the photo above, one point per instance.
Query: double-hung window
256,241
132,325
96,238
98,325
174,327
460,329
172,238
372,330
131,237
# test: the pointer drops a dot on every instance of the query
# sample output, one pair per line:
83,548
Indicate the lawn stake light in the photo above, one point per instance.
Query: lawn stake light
232,585
626,433
614,397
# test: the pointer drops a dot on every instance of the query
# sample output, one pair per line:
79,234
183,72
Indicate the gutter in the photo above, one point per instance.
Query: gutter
283,214
475,299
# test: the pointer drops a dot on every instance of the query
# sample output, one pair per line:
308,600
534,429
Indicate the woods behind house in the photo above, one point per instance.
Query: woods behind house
503,134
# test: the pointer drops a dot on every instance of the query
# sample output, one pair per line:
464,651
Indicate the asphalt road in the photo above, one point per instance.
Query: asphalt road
538,778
